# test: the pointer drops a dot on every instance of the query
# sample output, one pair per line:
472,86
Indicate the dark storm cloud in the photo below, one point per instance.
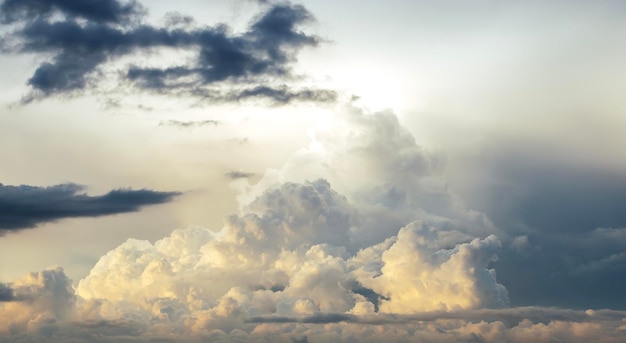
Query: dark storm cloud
571,218
23,207
577,270
6,293
79,48
100,11
565,199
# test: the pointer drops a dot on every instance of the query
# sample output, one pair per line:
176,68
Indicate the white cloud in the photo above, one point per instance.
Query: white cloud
311,263
417,276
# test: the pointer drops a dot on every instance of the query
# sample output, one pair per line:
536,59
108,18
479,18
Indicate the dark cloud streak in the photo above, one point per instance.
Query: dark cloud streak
23,207
511,316
189,124
234,175
283,95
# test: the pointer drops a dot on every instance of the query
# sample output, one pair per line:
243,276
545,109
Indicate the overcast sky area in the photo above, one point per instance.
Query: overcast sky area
312,171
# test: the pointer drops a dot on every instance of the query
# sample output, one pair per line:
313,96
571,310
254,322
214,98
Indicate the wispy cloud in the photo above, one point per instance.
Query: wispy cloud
233,175
190,123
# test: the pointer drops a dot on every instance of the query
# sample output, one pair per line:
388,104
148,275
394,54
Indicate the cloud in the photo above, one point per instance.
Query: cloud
564,269
227,66
106,11
509,316
296,250
561,211
40,298
283,95
531,324
614,262
189,124
6,293
23,207
375,162
234,175
394,256
416,278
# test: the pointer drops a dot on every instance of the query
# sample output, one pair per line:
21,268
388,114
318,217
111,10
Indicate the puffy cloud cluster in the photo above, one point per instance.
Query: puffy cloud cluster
38,299
288,256
391,180
79,39
377,250
416,275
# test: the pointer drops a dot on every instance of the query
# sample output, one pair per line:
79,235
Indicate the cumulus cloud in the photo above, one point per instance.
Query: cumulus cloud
82,37
418,276
40,299
332,259
302,248
23,207
375,162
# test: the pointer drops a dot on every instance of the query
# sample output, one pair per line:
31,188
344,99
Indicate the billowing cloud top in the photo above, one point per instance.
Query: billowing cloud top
82,37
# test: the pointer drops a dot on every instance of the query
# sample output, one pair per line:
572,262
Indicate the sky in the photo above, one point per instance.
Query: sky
312,171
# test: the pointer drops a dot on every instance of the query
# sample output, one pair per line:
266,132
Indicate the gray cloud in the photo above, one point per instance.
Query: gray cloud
319,318
511,316
614,261
579,270
78,49
23,207
283,95
546,193
189,124
274,95
571,215
100,11
233,175
526,324
6,293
